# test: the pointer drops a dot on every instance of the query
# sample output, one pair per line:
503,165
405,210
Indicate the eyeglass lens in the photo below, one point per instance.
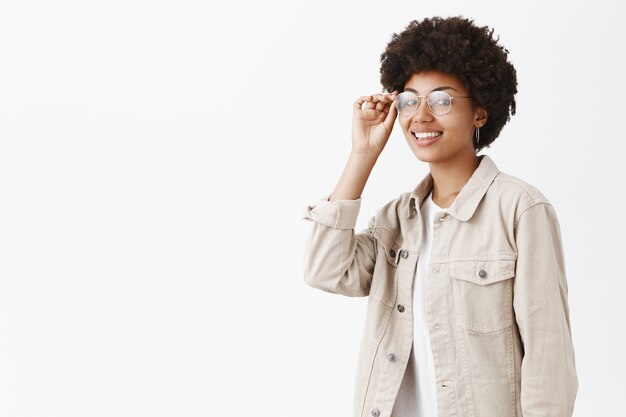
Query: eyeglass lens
438,101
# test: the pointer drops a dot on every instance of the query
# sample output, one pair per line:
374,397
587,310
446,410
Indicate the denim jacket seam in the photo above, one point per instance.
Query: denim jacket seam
523,186
526,209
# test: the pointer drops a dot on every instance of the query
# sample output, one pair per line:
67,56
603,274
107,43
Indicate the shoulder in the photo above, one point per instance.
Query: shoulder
513,187
515,195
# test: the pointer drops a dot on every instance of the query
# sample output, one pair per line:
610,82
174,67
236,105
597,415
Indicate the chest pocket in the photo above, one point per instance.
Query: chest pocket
483,294
383,286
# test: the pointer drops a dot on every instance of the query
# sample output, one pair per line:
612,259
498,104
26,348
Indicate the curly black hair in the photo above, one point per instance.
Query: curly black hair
456,46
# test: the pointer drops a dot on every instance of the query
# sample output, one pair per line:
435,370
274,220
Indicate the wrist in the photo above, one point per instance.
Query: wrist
364,155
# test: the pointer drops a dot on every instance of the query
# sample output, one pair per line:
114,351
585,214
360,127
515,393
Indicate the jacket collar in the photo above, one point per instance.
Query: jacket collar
466,202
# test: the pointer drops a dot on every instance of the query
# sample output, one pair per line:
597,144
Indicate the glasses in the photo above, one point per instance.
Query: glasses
439,102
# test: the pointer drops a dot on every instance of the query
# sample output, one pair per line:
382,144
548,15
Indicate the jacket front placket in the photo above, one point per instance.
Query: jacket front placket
402,331
440,315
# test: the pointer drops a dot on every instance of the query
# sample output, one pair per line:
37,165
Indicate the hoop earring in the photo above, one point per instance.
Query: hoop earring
477,135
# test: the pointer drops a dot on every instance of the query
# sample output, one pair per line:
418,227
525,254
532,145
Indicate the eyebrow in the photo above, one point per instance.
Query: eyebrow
436,89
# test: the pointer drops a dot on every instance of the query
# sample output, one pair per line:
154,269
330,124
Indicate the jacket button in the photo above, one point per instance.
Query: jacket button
482,273
404,253
391,356
375,412
392,253
400,308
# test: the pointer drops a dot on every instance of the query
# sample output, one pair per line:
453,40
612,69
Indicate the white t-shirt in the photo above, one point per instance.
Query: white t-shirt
418,392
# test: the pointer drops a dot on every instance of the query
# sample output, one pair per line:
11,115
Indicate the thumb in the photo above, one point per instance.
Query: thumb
391,116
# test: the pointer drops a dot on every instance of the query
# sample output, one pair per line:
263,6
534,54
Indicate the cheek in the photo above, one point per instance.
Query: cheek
404,123
456,126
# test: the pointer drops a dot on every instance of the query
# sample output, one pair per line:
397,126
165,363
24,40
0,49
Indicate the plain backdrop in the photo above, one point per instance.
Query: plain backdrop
156,159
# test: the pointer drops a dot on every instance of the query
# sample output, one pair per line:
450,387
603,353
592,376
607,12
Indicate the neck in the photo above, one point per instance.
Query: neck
450,177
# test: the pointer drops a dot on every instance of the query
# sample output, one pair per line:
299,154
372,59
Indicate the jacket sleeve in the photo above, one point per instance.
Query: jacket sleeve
548,375
337,260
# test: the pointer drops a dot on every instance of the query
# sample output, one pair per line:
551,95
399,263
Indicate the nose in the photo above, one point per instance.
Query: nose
422,113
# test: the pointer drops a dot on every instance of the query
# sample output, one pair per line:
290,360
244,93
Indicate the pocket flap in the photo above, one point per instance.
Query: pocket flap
389,244
483,272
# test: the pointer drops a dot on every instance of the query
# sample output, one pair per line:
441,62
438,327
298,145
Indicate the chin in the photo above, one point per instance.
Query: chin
423,157
424,154
428,155
440,152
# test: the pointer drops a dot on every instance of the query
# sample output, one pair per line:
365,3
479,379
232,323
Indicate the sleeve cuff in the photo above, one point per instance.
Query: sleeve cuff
338,214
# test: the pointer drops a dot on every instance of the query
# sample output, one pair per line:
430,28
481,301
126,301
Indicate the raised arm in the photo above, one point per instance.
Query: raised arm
337,259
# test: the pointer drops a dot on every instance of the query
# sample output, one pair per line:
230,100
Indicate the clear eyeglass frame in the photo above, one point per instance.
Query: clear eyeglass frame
439,102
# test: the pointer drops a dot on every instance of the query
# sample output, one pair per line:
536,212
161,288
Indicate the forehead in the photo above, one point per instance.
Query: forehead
426,81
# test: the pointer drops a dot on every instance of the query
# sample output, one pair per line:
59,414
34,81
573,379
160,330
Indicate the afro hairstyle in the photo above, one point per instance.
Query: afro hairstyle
456,46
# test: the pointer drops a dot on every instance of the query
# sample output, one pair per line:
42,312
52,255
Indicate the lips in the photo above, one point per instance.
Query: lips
430,134
427,140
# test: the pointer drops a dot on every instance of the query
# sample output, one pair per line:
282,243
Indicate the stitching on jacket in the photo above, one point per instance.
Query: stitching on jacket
526,209
388,243
347,290
338,220
380,341
496,256
523,186
396,235
372,359
511,358
341,261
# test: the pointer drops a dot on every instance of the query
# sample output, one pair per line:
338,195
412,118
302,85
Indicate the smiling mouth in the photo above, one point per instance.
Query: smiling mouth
422,136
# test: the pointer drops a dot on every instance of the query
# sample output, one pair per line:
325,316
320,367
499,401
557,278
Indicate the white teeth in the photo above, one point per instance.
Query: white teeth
426,135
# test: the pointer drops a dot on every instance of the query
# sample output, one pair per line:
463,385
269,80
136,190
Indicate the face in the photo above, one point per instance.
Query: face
457,126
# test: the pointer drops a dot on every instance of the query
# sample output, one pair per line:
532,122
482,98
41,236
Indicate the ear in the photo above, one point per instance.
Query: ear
480,117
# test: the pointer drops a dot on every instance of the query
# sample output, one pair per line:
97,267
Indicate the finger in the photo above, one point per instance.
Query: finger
388,98
369,105
359,103
376,101
377,98
393,108
391,116
383,105
389,106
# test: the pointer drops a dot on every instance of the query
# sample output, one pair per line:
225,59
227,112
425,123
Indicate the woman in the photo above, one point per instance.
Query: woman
467,312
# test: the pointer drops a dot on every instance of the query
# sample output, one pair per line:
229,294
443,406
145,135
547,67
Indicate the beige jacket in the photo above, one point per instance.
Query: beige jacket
497,305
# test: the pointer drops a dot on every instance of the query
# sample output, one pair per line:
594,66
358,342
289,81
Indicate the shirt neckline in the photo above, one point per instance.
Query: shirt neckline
432,202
